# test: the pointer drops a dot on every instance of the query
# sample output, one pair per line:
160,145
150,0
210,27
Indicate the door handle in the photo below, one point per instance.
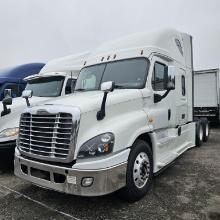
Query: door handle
169,114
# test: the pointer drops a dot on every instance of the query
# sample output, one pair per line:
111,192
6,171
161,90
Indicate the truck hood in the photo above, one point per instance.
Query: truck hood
18,105
91,100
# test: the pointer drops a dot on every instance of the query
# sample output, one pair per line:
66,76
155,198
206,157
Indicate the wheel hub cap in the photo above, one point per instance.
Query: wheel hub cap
141,170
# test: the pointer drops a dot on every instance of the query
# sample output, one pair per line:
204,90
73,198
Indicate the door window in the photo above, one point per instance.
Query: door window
159,77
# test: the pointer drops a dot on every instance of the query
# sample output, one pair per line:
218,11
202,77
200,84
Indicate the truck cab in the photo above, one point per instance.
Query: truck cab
131,115
12,78
46,85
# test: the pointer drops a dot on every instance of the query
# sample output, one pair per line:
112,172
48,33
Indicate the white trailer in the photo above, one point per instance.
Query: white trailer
57,78
130,117
206,96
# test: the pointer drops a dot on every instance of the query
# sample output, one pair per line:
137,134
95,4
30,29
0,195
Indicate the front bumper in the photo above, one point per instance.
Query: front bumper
105,180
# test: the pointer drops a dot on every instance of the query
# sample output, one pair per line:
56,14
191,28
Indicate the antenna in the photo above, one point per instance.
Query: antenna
71,81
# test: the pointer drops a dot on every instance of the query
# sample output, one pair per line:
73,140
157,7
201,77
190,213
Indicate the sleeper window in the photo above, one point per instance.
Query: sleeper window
183,85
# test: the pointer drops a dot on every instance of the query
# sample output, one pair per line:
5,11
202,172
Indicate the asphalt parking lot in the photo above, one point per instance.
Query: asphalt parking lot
188,189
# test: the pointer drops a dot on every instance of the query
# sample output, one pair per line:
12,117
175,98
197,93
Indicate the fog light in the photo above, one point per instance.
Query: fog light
87,181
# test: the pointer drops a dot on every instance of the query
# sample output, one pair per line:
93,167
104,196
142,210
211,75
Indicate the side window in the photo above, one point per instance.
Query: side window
15,91
160,77
70,85
183,85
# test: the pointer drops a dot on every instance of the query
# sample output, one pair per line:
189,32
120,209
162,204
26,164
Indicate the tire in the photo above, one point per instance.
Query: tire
205,126
196,119
199,133
139,172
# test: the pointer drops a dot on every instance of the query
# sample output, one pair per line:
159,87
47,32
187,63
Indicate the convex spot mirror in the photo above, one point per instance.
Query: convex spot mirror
171,72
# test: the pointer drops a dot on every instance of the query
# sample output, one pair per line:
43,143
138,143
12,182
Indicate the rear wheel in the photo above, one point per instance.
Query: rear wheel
199,133
205,127
139,172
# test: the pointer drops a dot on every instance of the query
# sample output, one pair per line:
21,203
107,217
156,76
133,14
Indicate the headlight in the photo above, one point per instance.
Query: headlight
9,132
97,146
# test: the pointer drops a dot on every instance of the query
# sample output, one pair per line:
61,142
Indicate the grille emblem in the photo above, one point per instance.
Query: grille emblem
42,111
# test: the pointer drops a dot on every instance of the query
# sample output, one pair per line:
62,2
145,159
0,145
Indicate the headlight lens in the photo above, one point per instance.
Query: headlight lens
9,132
97,146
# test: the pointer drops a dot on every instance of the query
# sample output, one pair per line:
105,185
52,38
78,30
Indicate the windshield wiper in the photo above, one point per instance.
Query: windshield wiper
80,90
119,87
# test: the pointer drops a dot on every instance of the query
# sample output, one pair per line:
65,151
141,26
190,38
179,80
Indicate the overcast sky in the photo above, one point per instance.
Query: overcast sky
40,30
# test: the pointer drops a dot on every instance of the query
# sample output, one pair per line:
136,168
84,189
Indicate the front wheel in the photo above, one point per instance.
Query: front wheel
139,172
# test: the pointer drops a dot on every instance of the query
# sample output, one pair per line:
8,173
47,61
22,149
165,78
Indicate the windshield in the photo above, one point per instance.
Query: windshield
46,86
127,74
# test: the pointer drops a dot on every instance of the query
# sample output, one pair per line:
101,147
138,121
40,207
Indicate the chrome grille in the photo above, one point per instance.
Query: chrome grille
46,135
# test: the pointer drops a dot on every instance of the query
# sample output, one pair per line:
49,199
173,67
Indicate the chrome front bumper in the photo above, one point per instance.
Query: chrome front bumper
105,181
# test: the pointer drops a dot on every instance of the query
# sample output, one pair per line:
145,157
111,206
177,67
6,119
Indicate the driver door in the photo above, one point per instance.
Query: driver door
161,110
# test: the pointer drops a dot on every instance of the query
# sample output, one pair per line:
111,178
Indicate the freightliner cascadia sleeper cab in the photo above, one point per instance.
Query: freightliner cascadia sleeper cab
131,116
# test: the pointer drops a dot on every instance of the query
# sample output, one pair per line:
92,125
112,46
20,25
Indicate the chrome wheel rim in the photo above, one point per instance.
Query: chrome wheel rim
201,133
207,130
141,170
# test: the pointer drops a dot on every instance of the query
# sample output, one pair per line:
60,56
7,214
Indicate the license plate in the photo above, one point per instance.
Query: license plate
71,179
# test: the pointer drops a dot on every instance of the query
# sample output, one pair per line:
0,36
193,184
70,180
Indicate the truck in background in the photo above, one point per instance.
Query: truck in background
12,78
57,78
207,94
131,115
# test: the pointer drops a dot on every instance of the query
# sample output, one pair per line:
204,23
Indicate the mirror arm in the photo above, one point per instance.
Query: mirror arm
158,98
27,101
101,114
165,94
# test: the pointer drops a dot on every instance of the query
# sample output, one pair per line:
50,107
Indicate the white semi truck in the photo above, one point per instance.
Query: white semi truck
130,117
57,78
207,94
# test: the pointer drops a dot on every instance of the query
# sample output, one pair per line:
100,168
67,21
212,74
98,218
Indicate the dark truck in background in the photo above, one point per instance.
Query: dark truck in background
12,78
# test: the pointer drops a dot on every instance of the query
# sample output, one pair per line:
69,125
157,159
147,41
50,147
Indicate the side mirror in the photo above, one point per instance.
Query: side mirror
26,94
106,87
170,85
7,93
6,101
171,77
